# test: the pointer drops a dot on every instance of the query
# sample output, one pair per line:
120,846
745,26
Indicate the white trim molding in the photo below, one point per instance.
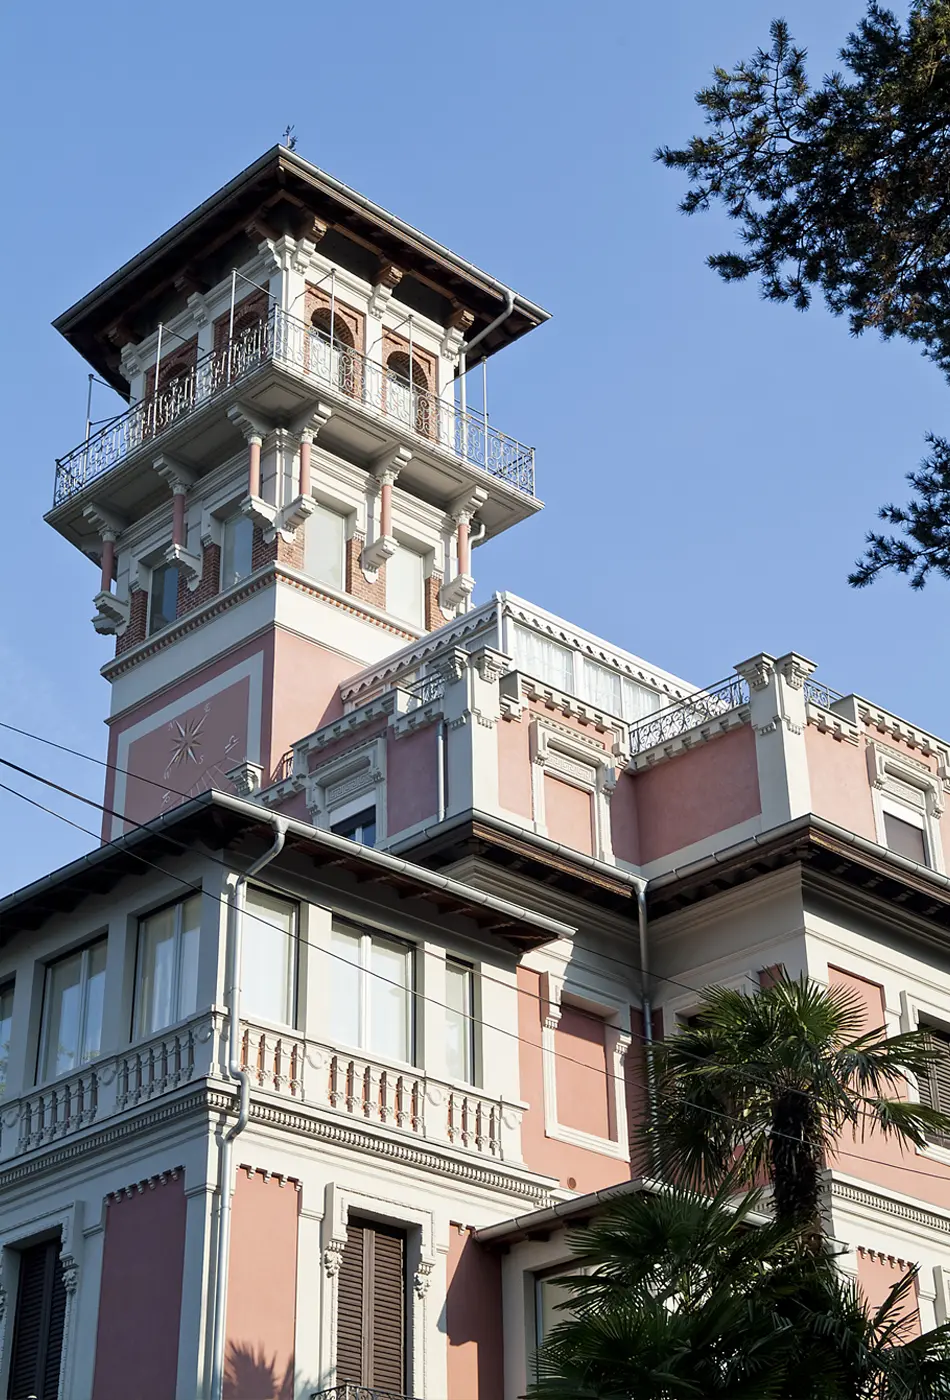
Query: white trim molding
905,788
349,782
580,762
616,1043
66,1221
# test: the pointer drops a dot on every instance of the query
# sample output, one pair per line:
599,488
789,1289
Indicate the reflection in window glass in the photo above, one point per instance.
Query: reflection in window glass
905,837
324,546
371,994
73,1001
459,1021
269,963
360,827
549,1296
167,969
6,1027
163,600
237,550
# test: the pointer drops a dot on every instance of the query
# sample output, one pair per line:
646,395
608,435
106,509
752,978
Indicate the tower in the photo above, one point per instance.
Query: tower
298,482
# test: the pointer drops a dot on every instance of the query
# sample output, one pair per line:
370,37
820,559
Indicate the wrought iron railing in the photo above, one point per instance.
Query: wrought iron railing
823,695
282,338
696,710
356,1392
426,690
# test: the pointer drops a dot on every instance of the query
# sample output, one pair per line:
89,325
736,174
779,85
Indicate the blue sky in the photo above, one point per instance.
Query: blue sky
709,462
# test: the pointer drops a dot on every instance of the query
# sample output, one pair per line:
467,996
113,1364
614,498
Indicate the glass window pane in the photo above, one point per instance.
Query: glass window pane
639,701
188,958
345,983
155,993
389,1001
236,554
906,838
405,586
603,687
62,1015
324,544
545,660
94,999
551,1296
458,1022
6,1026
163,607
267,976
360,827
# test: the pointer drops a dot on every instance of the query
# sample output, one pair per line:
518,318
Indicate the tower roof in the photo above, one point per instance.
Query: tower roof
281,193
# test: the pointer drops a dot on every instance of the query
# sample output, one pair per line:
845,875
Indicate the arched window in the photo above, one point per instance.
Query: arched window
336,360
411,406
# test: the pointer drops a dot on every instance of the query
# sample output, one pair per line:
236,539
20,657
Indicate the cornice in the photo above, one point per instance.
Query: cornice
875,1201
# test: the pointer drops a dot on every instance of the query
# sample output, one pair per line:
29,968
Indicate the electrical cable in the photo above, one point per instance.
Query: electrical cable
417,996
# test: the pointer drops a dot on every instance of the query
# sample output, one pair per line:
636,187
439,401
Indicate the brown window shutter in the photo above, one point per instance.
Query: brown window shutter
349,1327
388,1317
38,1325
371,1309
935,1086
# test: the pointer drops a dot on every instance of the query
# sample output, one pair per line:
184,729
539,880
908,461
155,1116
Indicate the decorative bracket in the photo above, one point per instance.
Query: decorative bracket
457,591
177,476
112,613
246,778
188,564
389,278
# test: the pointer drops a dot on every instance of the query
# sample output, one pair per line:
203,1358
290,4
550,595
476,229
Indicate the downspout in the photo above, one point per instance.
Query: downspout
646,1007
236,902
441,783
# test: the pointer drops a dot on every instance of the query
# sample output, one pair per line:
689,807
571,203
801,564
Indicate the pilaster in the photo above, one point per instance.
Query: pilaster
472,709
777,711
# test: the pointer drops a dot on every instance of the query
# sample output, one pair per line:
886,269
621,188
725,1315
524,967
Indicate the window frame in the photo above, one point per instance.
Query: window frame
138,1035
7,989
422,555
364,969
342,516
472,1077
230,522
294,969
83,952
349,818
164,569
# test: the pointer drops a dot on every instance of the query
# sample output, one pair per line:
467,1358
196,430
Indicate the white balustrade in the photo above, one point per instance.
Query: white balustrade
58,1109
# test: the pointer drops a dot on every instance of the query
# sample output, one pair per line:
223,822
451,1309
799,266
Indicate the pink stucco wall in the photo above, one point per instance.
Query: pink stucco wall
262,1290
838,777
581,1072
568,815
708,789
624,821
304,693
473,1319
514,767
877,1275
412,780
140,1293
869,1155
577,1168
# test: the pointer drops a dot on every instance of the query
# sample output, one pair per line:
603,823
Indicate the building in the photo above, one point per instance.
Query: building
473,857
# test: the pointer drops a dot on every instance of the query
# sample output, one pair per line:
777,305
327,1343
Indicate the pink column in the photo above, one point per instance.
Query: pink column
464,551
178,515
254,467
108,563
386,506
305,442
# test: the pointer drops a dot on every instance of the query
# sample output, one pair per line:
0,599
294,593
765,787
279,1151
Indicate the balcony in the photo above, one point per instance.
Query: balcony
350,380
700,710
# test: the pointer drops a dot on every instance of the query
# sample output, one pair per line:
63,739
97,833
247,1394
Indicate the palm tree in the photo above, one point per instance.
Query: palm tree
691,1298
760,1085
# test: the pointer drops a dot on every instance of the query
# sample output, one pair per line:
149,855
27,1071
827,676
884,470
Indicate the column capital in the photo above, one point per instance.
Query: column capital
254,427
107,522
311,421
175,474
386,467
467,504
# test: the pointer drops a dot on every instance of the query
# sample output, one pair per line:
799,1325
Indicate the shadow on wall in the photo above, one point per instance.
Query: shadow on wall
248,1375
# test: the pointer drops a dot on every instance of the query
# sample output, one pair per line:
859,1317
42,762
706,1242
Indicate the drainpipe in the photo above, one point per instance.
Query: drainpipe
236,901
441,784
646,1003
468,345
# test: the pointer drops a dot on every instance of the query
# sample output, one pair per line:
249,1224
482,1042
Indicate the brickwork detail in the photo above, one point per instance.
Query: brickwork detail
138,617
247,313
356,583
262,553
175,363
290,552
343,316
210,583
434,616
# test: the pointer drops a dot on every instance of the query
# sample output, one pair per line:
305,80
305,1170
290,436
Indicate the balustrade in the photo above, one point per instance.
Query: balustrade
283,340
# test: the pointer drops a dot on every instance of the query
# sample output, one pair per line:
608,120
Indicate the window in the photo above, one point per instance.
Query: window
163,600
269,971
405,586
166,987
324,547
73,999
459,1021
934,1086
39,1323
549,1295
360,827
6,1026
371,1303
543,659
237,547
906,837
371,994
